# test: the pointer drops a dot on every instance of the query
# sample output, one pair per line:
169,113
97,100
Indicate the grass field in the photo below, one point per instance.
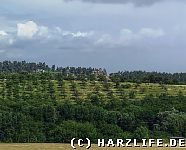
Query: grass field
68,147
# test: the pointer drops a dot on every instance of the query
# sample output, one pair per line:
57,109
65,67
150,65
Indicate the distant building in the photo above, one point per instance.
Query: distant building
40,70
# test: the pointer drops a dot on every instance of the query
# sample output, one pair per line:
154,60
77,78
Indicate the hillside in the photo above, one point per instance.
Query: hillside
54,106
82,90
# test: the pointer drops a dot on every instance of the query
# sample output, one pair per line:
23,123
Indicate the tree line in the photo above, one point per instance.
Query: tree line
148,77
82,73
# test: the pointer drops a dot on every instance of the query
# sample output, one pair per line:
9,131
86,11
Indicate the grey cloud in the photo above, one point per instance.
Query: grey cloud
125,37
135,2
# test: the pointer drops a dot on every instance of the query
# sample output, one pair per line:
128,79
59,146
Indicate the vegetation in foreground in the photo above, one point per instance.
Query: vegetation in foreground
56,106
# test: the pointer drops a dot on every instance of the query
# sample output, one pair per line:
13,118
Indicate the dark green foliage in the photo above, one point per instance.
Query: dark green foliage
68,73
67,130
173,122
132,94
149,77
141,132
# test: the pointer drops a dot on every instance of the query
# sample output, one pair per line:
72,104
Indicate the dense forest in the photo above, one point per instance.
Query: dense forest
79,73
149,77
35,108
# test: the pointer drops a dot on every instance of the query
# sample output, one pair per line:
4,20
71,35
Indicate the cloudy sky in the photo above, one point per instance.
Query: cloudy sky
113,34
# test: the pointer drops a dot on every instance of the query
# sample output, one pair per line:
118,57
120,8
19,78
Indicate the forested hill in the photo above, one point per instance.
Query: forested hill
82,73
39,103
23,66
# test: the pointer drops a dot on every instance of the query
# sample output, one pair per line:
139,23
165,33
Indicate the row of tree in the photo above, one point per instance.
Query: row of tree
71,72
149,77
82,73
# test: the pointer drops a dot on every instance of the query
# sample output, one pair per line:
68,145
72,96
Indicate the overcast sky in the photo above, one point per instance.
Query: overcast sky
113,34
